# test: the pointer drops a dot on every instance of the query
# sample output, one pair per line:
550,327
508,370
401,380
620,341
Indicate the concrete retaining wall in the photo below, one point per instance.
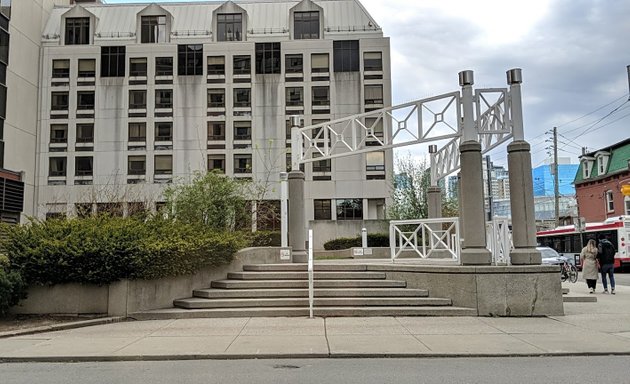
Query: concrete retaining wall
493,291
127,296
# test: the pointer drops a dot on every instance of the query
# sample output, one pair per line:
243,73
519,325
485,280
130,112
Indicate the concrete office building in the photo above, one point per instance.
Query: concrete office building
137,96
21,23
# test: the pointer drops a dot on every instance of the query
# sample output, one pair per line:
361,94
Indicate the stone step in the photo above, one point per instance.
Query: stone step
180,313
303,267
304,275
262,284
579,299
199,303
322,292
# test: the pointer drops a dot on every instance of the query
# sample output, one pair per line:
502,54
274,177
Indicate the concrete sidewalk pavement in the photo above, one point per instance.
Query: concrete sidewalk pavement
586,328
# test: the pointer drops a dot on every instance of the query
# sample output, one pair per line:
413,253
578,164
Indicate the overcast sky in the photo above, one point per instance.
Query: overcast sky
573,54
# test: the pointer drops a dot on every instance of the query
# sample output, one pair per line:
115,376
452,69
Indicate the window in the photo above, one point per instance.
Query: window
322,165
83,210
190,60
85,100
306,25
163,164
216,130
163,66
137,132
320,63
5,8
373,94
627,204
153,29
322,209
61,69
587,166
242,65
229,27
293,63
321,96
216,162
77,30
610,201
85,133
242,97
57,166
164,131
242,163
59,101
83,166
164,98
242,130
346,55
372,61
375,161
137,99
374,126
59,133
216,98
136,165
268,58
87,68
138,66
295,96
113,61
350,209
602,164
216,65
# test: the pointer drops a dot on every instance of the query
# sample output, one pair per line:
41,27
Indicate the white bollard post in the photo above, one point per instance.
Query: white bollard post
364,243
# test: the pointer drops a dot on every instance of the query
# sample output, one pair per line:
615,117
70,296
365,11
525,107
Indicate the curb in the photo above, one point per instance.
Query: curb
62,327
93,359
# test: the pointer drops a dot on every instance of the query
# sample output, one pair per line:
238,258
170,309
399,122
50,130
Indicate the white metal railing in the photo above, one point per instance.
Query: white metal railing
499,240
310,273
425,237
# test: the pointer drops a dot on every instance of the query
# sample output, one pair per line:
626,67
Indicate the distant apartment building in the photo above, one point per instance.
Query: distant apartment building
543,178
138,96
599,180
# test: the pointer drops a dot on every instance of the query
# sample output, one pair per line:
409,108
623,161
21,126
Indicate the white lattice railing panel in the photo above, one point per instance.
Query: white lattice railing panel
425,238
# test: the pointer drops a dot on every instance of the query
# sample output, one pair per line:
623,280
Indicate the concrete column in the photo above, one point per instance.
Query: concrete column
521,185
522,205
474,251
297,217
434,202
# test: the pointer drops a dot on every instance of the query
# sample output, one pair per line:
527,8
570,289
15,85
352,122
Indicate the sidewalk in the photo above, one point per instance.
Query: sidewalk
586,328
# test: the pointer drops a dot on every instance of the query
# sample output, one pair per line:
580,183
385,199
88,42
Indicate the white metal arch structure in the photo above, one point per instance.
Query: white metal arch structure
434,119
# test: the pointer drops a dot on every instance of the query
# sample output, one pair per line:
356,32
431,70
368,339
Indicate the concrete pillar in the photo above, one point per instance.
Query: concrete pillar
521,185
297,217
474,251
522,205
434,202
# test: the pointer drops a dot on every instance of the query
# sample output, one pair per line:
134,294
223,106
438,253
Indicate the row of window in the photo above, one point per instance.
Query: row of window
163,164
153,29
190,60
320,96
5,15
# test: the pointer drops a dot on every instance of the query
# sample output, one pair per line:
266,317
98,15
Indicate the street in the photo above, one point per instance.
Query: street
622,279
547,370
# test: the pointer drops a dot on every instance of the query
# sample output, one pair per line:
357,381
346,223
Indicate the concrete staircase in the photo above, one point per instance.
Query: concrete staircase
273,290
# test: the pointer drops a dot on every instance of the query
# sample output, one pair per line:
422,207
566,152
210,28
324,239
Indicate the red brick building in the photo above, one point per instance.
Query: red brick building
599,180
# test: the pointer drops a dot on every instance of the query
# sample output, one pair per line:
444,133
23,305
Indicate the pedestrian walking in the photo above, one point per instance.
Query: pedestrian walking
606,256
590,265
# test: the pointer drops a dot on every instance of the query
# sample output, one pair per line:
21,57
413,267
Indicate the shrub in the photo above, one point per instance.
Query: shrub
374,240
102,249
264,239
12,289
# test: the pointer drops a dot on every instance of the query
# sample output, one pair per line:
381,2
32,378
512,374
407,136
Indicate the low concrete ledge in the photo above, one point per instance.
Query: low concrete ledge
465,269
127,296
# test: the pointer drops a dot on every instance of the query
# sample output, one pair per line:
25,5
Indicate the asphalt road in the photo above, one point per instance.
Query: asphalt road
543,370
622,279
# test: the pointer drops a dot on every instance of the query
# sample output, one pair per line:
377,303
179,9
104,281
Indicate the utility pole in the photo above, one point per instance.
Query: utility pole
556,186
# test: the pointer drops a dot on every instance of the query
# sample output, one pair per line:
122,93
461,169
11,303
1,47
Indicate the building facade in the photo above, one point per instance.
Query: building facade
21,24
135,97
599,180
543,178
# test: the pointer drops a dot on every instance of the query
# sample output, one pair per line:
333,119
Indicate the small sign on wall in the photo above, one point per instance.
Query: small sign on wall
357,252
285,254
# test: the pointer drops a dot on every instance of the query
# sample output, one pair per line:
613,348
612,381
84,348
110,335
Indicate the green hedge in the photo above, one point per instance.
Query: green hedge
102,249
374,240
12,286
